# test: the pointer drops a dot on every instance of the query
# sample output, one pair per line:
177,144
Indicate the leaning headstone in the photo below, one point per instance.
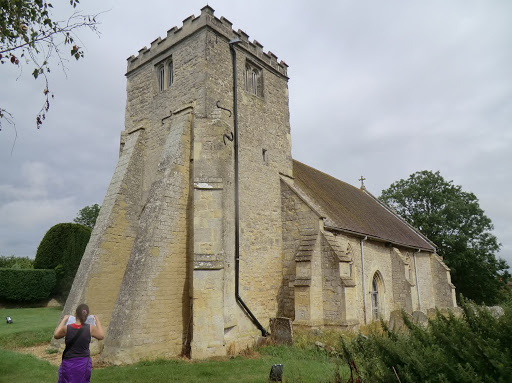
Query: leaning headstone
419,317
396,322
495,311
281,330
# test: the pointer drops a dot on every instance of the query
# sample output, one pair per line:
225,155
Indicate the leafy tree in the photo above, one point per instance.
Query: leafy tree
88,215
30,36
13,262
454,221
61,249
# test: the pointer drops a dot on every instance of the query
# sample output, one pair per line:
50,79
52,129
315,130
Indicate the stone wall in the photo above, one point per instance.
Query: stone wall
264,154
444,290
402,281
333,298
425,287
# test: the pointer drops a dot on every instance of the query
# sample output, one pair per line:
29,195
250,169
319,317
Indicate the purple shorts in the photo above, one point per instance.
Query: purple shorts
75,370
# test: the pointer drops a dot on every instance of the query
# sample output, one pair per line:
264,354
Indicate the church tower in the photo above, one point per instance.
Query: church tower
186,254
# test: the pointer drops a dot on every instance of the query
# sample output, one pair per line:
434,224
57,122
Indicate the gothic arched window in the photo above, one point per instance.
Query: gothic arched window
170,73
376,309
161,78
253,79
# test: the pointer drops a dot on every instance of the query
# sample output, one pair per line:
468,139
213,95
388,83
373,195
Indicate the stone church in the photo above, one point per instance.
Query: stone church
209,228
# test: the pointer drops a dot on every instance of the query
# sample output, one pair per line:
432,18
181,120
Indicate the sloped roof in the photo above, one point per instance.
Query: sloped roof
354,210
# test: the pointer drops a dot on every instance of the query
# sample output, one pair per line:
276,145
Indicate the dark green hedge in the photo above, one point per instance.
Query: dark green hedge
473,348
26,285
61,249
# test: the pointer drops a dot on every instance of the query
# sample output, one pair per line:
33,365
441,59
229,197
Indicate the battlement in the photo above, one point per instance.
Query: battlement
191,25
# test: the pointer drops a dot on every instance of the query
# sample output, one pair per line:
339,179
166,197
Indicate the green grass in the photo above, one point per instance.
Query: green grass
302,364
299,367
16,367
30,327
238,369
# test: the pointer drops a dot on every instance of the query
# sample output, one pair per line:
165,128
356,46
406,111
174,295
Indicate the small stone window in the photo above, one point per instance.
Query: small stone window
170,73
161,78
165,75
253,79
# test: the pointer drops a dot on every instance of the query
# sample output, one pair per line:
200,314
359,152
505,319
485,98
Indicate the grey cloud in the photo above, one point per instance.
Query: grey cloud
376,89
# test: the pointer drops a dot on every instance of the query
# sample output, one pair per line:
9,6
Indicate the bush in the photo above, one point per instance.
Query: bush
26,285
61,249
13,262
472,348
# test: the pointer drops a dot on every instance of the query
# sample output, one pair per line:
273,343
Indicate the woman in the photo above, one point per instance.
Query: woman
76,360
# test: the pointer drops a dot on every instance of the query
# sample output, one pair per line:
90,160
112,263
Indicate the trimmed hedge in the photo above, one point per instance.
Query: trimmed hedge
26,285
63,244
61,249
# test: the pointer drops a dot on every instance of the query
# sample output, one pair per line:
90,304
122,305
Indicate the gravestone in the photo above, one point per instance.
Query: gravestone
281,330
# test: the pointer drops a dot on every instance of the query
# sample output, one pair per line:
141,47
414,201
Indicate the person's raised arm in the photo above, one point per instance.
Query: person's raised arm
60,331
97,331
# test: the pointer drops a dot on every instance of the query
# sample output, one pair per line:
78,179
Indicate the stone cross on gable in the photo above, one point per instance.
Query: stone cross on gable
362,181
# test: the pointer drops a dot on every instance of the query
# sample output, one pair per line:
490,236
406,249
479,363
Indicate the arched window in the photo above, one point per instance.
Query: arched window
253,79
170,73
161,77
376,310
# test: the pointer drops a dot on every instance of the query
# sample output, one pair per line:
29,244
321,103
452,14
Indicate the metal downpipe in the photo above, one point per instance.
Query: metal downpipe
237,207
416,275
364,281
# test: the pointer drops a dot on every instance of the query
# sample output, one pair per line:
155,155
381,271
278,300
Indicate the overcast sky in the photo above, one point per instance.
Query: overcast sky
377,88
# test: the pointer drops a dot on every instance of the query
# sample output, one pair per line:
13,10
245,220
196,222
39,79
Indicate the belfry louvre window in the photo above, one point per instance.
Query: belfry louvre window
165,75
170,73
253,79
161,78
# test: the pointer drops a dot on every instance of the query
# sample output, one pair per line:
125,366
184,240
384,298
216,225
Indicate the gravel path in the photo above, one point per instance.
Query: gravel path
55,359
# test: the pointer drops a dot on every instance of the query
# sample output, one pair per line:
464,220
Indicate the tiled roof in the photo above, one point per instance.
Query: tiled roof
354,210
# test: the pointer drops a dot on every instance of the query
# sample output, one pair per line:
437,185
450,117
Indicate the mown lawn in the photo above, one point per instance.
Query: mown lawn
16,367
21,368
35,326
31,326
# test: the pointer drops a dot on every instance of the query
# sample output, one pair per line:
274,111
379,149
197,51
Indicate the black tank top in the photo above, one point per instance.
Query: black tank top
81,346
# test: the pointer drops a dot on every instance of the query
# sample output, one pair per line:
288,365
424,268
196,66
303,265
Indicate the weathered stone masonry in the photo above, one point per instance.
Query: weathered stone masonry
159,269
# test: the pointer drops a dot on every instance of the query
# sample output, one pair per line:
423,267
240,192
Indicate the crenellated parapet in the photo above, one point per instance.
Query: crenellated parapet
192,24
